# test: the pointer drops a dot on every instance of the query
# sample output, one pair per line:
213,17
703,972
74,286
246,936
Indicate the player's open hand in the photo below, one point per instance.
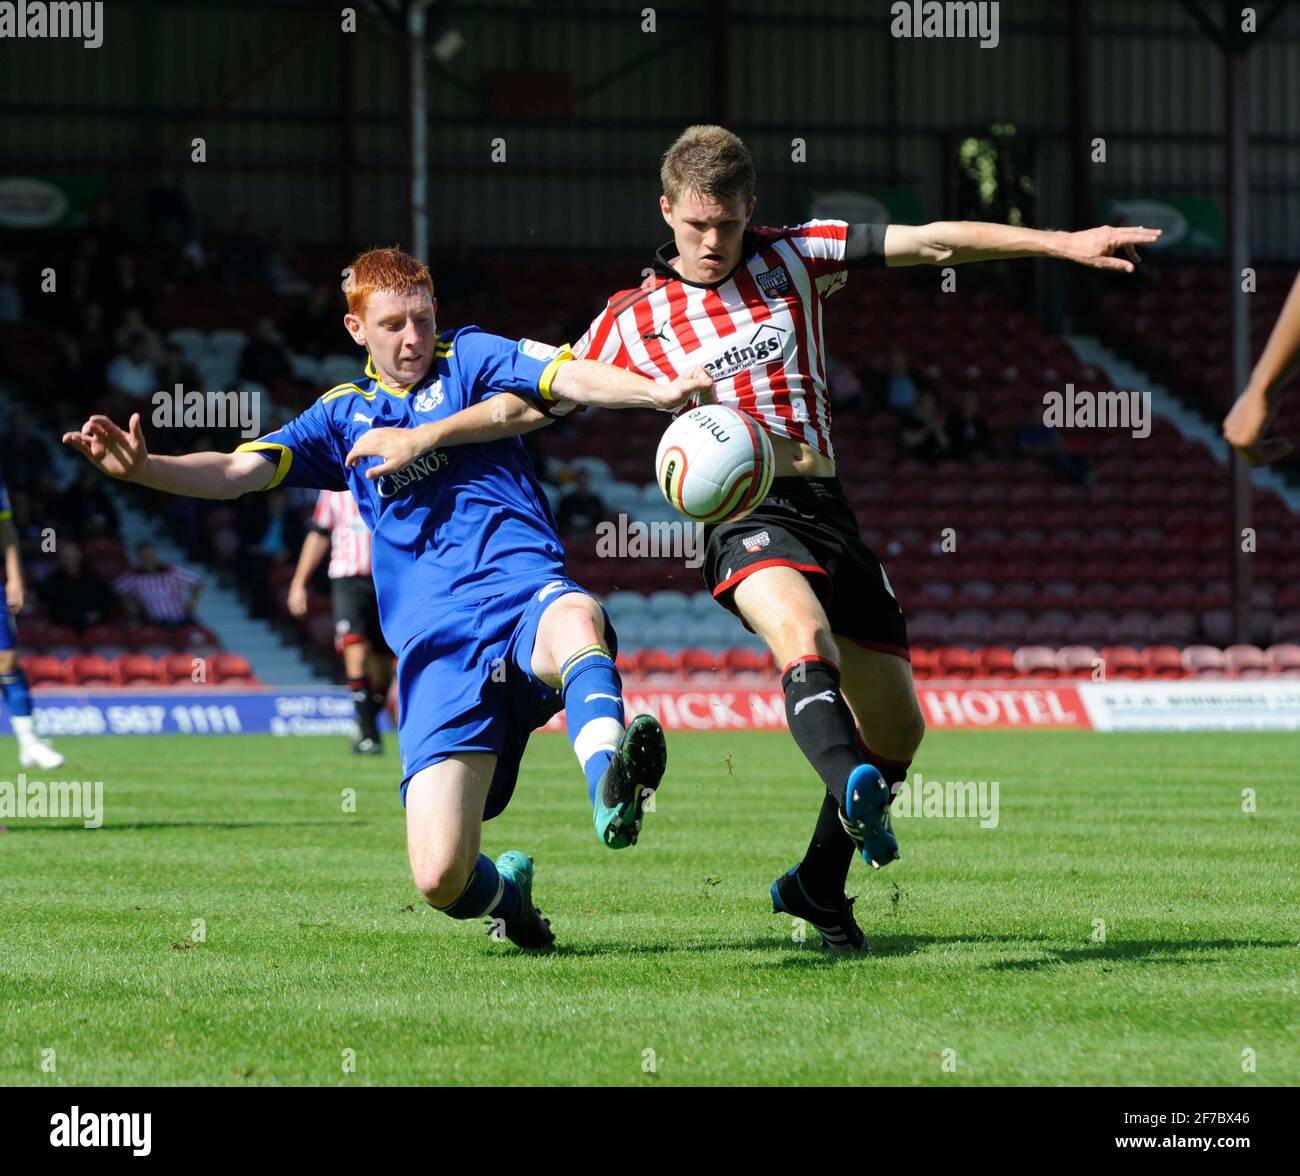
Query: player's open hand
1245,428
398,448
1100,248
118,453
697,383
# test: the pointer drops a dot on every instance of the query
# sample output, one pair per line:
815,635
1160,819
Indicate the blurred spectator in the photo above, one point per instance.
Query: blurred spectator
26,453
264,359
846,391
159,593
241,256
127,291
274,538
132,325
901,389
580,509
87,506
131,376
74,594
316,327
176,369
1043,443
103,236
281,272
923,434
968,431
11,297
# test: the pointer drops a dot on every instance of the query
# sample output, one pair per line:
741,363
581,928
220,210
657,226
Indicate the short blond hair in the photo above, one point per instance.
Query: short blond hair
710,161
388,270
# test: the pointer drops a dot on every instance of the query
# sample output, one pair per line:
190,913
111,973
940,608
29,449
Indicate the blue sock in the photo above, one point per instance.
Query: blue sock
593,710
17,697
486,893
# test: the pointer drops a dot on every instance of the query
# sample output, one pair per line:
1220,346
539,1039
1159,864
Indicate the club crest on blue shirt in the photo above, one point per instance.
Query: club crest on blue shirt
429,398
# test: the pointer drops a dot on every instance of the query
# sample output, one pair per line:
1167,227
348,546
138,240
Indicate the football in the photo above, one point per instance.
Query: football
714,464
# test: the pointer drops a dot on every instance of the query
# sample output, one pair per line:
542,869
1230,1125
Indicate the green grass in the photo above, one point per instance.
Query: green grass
316,942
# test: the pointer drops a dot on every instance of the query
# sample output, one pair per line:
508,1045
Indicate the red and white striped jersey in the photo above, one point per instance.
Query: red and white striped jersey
350,538
758,332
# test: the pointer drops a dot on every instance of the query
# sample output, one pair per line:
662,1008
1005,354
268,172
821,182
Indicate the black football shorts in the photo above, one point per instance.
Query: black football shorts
808,524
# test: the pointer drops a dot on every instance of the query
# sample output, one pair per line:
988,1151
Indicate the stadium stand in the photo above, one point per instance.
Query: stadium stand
1012,566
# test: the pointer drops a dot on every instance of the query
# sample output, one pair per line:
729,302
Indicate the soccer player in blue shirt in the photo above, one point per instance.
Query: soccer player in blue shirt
493,637
33,752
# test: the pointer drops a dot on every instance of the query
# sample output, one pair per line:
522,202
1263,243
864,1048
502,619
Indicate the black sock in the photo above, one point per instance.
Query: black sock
820,721
825,867
364,702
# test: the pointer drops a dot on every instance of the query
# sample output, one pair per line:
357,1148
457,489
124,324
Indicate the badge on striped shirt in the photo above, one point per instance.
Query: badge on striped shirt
774,281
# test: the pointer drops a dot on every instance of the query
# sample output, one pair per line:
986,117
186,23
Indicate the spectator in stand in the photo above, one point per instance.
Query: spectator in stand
265,359
270,536
161,594
241,257
75,595
26,456
923,435
315,324
968,432
847,395
1043,443
901,388
580,509
176,369
11,297
133,325
87,508
281,271
131,377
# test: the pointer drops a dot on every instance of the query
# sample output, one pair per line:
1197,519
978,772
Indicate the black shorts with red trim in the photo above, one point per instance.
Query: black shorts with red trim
808,524
356,612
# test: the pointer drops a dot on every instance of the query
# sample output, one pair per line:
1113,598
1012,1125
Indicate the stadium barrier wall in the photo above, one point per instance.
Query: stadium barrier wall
1191,705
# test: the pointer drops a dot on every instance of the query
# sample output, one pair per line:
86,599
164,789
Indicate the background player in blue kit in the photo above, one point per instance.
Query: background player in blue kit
33,752
492,636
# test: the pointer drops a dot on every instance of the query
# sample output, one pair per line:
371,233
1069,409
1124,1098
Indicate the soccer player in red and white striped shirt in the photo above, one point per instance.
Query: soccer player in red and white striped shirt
745,303
338,529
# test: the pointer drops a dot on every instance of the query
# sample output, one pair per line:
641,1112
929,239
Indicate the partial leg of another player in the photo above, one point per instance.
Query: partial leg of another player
356,666
623,766
33,752
444,823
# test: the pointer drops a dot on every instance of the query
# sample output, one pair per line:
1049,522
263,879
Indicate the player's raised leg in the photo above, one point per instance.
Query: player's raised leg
444,822
623,766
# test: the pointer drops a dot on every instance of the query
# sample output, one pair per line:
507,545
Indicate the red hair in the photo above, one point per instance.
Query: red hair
388,270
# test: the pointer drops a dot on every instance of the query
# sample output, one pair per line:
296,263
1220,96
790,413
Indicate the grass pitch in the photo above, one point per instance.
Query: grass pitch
989,965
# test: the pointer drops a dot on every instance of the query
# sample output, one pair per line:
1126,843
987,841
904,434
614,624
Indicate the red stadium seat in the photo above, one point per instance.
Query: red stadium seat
1036,661
1204,661
1122,662
1162,661
748,661
996,662
1076,661
1284,658
957,663
178,669
697,664
47,671
92,670
658,664
230,669
137,669
1239,658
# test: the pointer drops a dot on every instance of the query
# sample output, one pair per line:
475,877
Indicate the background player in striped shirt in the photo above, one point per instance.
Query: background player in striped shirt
33,752
746,304
338,530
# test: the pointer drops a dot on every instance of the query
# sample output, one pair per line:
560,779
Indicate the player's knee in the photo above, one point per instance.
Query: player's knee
440,881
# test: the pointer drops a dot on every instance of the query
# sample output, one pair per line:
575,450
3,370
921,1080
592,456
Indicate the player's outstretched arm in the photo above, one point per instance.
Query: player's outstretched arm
122,454
585,381
1246,426
493,419
959,242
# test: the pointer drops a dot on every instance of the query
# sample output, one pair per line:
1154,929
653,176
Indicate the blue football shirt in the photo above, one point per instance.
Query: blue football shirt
457,524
